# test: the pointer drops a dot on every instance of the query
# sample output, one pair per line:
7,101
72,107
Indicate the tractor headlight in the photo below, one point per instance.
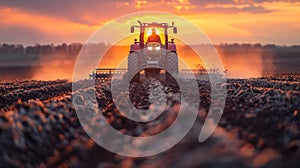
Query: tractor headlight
150,48
157,48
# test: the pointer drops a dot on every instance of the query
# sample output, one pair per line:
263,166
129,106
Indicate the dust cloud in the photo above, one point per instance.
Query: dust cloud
57,62
245,62
239,61
54,66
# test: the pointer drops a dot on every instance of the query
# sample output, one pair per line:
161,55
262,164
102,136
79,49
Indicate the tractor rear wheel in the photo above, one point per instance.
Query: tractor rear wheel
133,67
172,67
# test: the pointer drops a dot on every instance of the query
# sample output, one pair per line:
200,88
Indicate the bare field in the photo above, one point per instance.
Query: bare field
260,126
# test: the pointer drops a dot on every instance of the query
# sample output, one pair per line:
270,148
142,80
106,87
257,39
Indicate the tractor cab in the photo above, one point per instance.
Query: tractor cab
150,31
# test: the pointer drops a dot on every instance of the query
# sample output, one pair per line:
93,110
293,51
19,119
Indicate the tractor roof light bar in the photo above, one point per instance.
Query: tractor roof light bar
153,24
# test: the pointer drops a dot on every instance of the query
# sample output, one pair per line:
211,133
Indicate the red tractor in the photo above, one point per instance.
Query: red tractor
148,58
152,58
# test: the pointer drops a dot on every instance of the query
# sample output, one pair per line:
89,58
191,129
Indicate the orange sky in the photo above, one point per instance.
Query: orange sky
254,21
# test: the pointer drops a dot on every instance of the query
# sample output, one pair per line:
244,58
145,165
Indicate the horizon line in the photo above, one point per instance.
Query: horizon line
109,44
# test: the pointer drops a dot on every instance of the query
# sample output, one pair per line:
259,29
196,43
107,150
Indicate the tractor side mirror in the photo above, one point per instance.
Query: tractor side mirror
132,29
175,30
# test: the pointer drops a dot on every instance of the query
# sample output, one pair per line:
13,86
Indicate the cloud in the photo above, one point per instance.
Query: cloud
95,11
245,9
22,27
84,12
238,6
237,2
58,21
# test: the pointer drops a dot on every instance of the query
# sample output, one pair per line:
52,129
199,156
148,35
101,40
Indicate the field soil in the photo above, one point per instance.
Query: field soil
260,126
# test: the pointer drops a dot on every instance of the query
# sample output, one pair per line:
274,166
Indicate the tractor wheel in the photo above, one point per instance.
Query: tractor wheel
172,67
133,67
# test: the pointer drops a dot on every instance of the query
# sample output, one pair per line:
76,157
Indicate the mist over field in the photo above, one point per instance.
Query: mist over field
49,62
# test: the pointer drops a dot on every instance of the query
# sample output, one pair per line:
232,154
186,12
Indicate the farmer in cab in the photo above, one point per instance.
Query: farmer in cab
154,37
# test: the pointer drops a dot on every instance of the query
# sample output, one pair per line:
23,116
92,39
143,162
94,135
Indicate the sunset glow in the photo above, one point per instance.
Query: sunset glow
233,21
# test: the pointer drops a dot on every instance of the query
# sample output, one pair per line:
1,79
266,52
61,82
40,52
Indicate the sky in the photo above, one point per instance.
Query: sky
224,21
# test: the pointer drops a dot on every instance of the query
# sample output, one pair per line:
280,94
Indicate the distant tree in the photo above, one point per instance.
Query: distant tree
257,45
270,46
19,49
246,45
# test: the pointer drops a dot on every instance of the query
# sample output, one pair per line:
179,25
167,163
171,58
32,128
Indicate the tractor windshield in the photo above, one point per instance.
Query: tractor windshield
154,34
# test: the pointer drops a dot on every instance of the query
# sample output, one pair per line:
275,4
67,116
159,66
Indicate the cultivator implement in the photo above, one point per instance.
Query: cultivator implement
106,74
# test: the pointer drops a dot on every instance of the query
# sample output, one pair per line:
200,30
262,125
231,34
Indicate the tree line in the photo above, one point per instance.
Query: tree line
74,48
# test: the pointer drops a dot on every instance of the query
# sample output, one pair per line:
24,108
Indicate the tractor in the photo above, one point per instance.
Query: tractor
148,59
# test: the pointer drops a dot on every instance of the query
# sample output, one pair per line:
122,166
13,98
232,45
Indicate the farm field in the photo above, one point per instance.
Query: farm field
259,127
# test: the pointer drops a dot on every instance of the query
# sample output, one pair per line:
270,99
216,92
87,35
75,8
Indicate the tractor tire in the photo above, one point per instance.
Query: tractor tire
172,67
133,67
